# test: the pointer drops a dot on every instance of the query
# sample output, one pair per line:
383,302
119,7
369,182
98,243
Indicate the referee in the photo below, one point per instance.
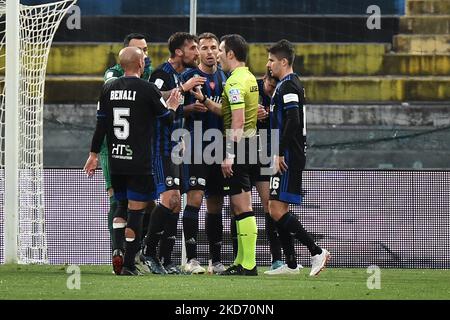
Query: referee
239,110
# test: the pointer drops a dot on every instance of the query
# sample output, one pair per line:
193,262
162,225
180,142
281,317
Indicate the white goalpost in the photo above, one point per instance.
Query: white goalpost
26,34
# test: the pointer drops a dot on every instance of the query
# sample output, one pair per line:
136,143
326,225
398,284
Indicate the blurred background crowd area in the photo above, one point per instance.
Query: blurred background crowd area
378,91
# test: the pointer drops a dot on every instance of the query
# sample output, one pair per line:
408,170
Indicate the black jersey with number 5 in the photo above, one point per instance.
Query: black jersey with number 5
127,113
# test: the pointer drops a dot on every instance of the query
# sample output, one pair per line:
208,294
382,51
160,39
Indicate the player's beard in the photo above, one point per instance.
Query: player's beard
209,64
190,64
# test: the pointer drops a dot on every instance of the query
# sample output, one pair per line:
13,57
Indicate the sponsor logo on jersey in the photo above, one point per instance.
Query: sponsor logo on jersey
121,151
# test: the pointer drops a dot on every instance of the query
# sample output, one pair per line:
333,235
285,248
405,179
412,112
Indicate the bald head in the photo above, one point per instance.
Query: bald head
131,59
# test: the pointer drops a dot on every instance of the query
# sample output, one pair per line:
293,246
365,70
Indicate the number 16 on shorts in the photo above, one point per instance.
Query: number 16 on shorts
274,183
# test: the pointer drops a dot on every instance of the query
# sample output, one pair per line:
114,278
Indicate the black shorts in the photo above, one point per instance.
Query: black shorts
241,179
204,177
288,186
166,174
260,173
133,187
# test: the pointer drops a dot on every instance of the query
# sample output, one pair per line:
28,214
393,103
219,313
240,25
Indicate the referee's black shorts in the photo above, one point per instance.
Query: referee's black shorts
242,169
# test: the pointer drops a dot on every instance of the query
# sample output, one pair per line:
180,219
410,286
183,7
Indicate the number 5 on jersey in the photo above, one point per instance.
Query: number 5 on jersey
121,124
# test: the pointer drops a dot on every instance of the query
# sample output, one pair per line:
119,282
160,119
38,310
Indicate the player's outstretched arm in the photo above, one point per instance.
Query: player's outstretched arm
211,105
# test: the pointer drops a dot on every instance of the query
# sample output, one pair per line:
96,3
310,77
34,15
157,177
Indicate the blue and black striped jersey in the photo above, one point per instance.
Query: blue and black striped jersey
212,88
166,78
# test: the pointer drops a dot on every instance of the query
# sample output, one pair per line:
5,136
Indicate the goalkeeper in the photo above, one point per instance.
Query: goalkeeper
131,40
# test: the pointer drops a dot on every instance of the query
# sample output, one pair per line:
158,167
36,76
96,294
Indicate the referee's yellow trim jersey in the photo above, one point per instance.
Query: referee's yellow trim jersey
241,91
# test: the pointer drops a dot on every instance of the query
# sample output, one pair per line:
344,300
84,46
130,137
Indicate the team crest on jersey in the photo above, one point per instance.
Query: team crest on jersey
192,181
212,85
169,181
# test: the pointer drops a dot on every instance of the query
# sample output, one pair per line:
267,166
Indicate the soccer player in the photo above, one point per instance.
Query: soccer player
201,179
239,110
184,54
287,114
126,115
260,179
131,40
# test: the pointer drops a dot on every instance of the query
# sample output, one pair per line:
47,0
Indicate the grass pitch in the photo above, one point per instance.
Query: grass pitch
97,282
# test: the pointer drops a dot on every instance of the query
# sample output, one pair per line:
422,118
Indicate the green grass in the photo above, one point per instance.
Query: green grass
97,282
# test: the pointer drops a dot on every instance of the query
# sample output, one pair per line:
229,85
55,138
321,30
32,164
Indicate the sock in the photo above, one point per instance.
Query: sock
155,229
168,239
234,235
214,232
287,241
272,236
147,216
119,228
190,229
239,250
111,212
132,245
248,233
292,225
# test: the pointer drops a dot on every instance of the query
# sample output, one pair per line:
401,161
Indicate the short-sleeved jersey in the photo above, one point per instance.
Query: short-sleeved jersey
213,89
289,93
113,73
166,78
241,92
128,106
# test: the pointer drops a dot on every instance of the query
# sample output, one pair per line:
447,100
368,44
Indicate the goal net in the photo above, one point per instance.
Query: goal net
38,25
